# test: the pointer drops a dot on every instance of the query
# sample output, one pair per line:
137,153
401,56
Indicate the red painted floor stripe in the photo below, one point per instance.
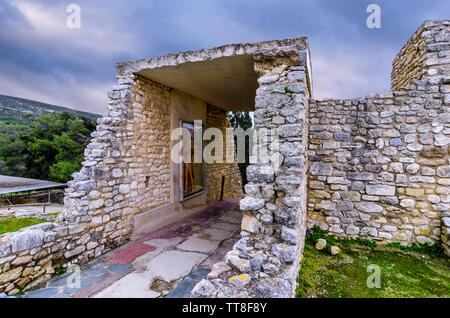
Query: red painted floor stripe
129,253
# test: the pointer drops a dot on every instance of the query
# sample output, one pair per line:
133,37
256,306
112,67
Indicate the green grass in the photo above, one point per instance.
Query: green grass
14,224
54,213
404,272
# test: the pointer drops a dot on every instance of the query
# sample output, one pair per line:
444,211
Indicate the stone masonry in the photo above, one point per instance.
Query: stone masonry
266,259
217,118
375,167
379,165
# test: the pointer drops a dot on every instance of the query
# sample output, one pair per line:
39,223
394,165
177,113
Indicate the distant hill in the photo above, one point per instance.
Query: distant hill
11,109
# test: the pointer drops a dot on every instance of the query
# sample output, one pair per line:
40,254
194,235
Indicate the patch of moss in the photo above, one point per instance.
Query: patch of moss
20,292
54,213
60,270
403,272
14,224
288,91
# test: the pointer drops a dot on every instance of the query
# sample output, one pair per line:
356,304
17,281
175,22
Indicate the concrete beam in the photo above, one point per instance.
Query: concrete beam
222,76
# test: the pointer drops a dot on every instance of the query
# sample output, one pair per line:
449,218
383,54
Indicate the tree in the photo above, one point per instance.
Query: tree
244,121
50,148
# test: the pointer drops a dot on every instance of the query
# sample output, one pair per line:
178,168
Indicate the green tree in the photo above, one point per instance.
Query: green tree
50,148
244,121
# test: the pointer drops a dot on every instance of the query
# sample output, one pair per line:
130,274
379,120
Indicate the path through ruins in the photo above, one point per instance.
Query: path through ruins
166,263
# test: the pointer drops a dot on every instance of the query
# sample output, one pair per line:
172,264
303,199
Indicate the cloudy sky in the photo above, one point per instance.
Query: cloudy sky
42,59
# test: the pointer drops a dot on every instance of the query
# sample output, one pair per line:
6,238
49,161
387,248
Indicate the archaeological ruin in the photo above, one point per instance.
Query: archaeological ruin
375,167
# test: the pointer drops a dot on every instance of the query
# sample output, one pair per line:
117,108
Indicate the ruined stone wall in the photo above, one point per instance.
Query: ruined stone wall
379,166
217,118
149,164
265,261
426,54
126,171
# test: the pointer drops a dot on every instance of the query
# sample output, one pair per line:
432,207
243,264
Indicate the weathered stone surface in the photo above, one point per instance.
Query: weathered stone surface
380,190
321,244
335,250
360,176
433,152
260,174
242,265
26,240
10,275
240,280
172,265
369,207
203,289
292,130
250,224
289,235
194,244
251,203
134,285
218,269
321,169
443,172
287,253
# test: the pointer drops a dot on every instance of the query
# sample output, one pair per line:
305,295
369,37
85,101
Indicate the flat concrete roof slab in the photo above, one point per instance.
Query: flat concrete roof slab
223,77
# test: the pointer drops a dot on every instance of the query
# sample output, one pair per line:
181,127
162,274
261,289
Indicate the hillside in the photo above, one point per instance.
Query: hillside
11,109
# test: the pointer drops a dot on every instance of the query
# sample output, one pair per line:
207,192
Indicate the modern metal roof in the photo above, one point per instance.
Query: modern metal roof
9,184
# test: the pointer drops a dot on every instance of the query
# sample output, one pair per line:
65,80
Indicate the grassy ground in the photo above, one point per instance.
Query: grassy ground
403,273
14,224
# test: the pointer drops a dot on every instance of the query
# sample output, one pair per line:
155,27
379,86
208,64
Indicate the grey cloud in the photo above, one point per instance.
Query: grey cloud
47,62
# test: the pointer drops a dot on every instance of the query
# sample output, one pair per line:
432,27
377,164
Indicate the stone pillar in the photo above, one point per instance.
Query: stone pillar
265,261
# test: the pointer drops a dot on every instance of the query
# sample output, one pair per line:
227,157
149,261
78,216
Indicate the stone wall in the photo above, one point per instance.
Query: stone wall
265,261
425,54
126,171
217,118
379,166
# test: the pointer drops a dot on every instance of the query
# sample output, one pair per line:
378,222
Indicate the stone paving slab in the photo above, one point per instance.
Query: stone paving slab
226,226
165,255
183,290
96,287
199,274
134,285
164,243
230,219
219,253
195,244
213,234
173,265
42,293
119,268
85,282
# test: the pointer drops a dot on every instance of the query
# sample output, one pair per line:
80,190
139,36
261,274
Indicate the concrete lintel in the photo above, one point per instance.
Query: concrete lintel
222,76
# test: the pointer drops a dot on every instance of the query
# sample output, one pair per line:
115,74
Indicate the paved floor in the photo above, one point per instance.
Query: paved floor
165,263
